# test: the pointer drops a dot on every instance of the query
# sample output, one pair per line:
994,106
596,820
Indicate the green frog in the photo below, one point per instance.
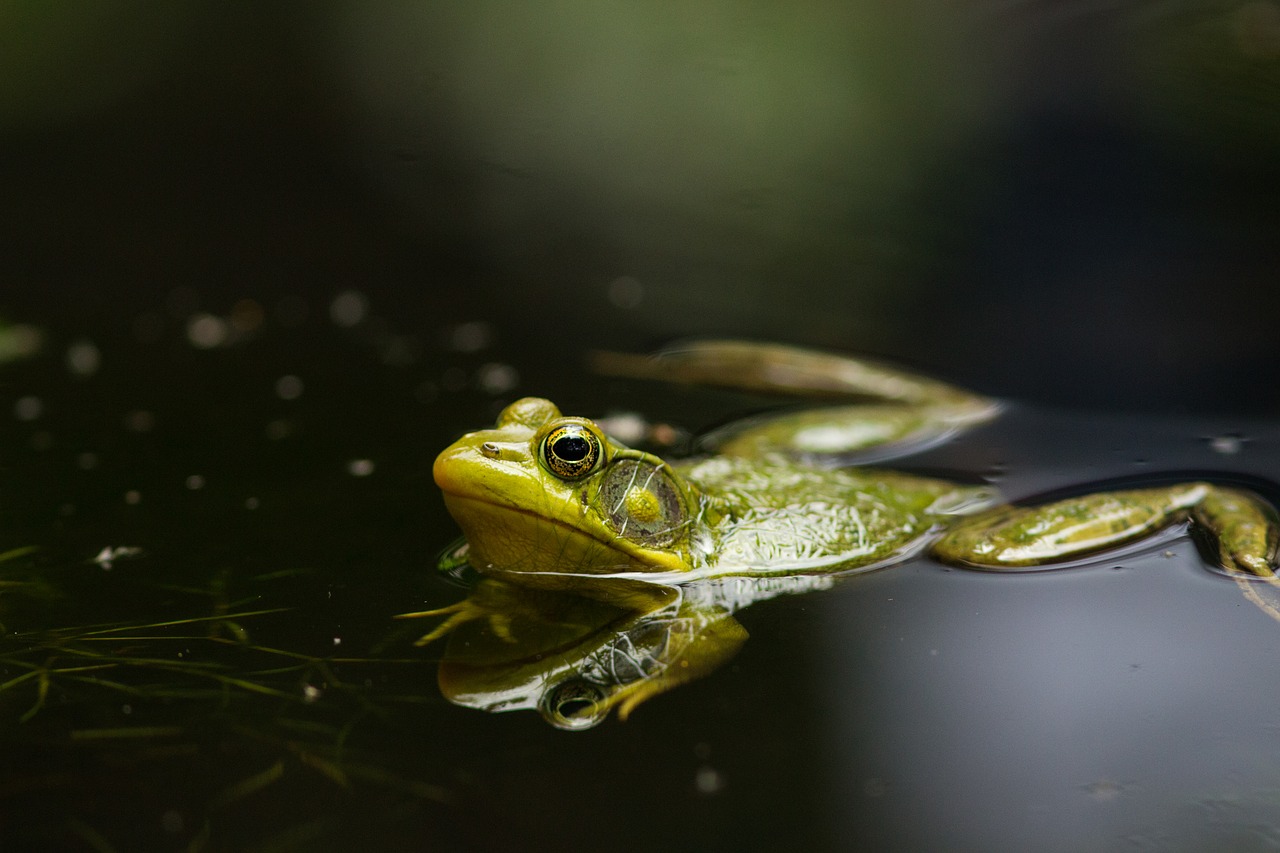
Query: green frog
584,545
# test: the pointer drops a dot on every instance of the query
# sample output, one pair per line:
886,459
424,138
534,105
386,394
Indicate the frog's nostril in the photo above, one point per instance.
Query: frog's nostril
489,450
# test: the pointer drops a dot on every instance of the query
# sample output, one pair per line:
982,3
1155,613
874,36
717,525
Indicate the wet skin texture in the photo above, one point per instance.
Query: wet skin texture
552,505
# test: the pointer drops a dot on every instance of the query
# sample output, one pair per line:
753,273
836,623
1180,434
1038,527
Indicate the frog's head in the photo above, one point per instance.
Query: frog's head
545,495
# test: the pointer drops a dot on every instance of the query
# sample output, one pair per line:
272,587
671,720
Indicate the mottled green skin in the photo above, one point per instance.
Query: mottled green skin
778,516
766,502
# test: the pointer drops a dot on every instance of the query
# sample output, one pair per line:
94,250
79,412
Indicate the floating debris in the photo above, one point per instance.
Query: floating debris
108,556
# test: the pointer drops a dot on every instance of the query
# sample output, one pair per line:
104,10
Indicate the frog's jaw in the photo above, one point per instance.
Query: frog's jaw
517,520
512,540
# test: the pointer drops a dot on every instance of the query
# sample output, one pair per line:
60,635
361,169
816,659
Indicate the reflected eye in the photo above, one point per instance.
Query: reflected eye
574,704
571,451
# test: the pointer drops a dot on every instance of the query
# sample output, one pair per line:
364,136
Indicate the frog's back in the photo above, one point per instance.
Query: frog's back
778,516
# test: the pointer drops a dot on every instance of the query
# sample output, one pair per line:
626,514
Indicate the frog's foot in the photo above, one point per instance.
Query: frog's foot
467,610
1241,527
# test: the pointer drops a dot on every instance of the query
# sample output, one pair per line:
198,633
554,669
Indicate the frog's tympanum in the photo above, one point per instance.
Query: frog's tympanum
609,575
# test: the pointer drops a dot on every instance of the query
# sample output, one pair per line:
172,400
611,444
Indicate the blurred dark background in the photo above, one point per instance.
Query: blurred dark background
1071,203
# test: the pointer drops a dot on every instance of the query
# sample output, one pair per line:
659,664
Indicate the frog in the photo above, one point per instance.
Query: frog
558,517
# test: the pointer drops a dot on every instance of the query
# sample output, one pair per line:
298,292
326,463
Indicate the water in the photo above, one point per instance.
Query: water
219,550
283,256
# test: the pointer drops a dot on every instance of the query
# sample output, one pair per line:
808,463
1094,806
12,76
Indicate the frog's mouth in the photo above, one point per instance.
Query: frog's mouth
516,539
515,521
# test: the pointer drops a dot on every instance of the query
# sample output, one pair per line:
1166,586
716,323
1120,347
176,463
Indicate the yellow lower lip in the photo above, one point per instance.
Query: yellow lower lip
470,510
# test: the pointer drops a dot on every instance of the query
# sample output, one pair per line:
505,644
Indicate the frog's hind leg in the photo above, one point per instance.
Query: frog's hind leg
893,405
1241,527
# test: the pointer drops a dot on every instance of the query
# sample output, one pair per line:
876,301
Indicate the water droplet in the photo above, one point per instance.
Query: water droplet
360,467
1226,444
708,780
348,308
470,337
289,387
83,358
497,378
195,482
206,331
28,408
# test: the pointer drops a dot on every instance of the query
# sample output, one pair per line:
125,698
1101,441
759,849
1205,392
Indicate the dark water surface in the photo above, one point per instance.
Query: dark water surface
238,684
284,253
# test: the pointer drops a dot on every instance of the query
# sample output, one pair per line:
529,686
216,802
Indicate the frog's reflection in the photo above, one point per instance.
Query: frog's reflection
575,659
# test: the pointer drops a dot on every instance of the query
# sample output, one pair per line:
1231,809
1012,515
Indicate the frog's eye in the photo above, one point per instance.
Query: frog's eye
643,503
571,451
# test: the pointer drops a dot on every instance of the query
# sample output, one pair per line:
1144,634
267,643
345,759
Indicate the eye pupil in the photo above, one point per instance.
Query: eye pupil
571,451
572,448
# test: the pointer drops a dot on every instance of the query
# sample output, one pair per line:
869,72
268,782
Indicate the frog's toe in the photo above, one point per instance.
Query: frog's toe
459,613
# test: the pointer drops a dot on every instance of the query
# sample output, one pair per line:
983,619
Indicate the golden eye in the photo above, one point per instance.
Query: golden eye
571,451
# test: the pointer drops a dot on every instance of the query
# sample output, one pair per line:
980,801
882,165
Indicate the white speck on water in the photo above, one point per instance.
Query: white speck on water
627,427
108,556
360,467
348,308
289,387
1227,445
497,378
28,408
251,503
133,496
310,692
470,337
626,292
337,641
195,482
708,780
205,331
83,358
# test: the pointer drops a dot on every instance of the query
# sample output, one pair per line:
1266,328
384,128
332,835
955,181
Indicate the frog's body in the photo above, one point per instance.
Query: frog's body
553,503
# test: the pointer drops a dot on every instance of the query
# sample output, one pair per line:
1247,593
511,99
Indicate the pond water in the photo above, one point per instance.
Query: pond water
198,649
283,254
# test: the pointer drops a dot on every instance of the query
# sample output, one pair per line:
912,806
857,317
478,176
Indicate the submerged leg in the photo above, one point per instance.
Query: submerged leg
1241,525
